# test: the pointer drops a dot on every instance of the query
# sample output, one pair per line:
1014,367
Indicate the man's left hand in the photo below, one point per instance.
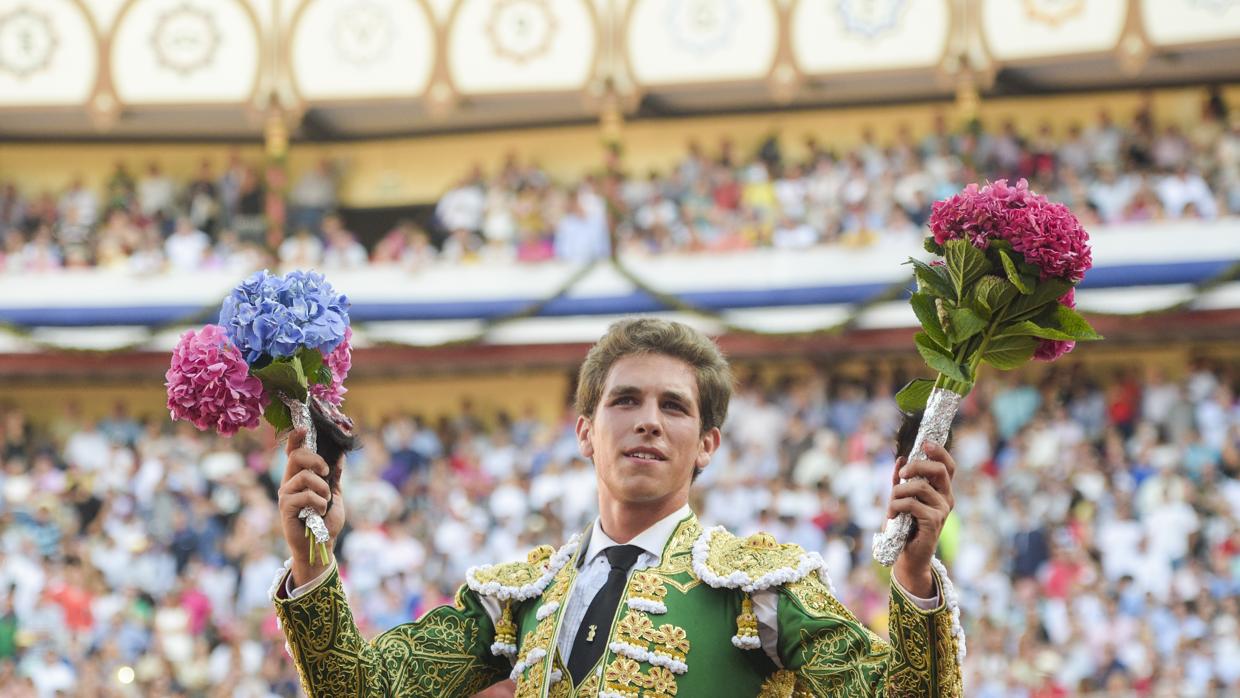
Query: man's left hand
928,501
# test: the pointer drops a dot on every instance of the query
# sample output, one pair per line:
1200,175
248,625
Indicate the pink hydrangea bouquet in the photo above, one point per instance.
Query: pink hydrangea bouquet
282,351
1002,293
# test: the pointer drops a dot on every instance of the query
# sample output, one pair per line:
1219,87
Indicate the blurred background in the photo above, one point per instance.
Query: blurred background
493,182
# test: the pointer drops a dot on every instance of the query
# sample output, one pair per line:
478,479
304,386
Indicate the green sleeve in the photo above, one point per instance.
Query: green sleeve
833,654
445,654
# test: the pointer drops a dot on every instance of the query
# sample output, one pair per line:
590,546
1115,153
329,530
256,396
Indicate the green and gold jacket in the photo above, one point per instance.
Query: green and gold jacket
686,628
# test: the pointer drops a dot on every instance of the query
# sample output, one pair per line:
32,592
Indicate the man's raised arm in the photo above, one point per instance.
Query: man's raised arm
444,654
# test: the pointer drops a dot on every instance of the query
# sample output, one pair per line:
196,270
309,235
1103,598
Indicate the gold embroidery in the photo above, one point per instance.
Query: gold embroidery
682,587
757,556
559,585
661,681
623,674
635,628
816,599
747,625
530,683
513,575
845,658
564,687
506,629
440,655
678,557
588,688
590,636
672,641
647,586
778,685
624,677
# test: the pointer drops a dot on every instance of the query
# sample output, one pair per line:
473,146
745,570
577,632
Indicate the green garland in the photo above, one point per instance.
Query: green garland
671,301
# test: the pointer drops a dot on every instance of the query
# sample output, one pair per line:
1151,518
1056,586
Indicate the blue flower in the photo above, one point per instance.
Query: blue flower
278,315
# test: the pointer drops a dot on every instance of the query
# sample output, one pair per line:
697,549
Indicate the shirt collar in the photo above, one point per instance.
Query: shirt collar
652,540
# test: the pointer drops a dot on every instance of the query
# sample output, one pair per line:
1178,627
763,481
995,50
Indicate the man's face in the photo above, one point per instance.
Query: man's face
645,437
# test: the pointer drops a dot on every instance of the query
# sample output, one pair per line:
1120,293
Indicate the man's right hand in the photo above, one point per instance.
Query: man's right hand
305,485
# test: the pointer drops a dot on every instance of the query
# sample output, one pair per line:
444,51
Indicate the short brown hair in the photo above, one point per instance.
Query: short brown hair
648,335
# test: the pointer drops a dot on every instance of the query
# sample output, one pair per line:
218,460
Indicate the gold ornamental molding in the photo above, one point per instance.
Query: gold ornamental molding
1053,12
185,39
27,42
521,30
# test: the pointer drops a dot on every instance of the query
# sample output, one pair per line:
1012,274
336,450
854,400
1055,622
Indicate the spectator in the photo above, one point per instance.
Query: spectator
342,250
187,247
301,251
156,193
313,196
1183,189
581,236
463,207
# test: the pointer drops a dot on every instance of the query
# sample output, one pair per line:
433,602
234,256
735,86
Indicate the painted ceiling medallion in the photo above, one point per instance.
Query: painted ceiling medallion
702,26
870,18
521,30
1053,12
363,33
27,42
185,39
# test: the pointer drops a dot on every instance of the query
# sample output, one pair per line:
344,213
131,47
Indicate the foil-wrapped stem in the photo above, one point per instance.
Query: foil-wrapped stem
936,422
300,413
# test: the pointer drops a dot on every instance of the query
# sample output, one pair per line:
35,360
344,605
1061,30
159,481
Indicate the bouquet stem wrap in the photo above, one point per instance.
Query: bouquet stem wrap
935,424
300,413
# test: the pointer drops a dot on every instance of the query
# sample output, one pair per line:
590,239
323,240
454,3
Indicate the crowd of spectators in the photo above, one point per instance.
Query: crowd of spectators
1095,542
732,197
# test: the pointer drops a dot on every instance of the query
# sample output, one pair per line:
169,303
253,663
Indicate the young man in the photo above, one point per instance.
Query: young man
646,602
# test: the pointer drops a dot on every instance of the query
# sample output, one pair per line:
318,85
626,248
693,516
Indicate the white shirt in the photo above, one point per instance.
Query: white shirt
593,576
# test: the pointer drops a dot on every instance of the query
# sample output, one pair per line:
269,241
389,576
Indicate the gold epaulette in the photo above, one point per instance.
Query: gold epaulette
521,581
750,564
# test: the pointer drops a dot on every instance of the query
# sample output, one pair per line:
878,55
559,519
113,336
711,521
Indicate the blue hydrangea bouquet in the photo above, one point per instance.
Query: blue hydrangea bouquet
282,348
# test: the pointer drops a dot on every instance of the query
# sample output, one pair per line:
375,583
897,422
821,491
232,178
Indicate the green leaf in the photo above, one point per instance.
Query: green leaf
277,415
965,264
1018,280
913,396
1026,307
1008,352
283,376
928,315
933,280
964,324
1072,324
932,247
1028,328
994,293
311,361
938,358
1028,269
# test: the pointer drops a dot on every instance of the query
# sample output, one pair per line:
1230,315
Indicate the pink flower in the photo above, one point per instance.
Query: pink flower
1047,235
339,361
1051,349
210,385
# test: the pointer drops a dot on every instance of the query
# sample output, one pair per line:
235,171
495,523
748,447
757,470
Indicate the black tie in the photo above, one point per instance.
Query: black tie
596,626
